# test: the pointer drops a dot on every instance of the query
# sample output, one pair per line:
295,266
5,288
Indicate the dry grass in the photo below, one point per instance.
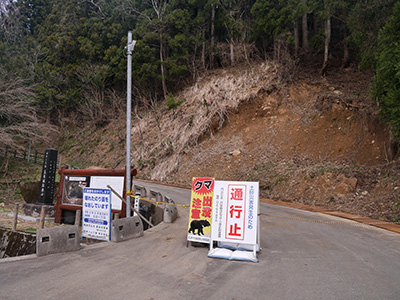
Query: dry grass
162,136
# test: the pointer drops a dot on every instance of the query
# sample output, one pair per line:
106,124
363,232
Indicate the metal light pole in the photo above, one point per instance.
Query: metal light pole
130,46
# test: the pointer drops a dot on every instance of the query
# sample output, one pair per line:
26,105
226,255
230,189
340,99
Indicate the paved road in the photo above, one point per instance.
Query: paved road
304,256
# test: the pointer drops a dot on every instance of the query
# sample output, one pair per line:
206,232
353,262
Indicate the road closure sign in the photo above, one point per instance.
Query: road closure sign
235,209
96,213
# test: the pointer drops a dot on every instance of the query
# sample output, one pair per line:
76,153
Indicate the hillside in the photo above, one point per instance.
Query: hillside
308,139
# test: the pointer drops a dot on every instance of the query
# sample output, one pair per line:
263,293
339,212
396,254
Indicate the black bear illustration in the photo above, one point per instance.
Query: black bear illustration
199,225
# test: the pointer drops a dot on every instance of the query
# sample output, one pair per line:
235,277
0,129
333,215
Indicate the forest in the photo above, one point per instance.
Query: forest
60,57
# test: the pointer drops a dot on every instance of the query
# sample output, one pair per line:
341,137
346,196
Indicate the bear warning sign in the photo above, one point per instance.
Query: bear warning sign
200,218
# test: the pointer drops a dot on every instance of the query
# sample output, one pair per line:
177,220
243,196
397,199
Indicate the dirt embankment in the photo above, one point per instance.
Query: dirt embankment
317,142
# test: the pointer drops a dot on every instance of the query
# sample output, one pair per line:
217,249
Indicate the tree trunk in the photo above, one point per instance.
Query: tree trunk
328,32
296,38
203,50
346,57
212,35
306,46
245,46
232,53
277,47
164,86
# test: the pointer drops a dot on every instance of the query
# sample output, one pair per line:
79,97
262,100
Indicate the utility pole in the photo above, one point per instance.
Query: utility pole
130,46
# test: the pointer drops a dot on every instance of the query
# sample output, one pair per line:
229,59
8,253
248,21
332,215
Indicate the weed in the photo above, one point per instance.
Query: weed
82,150
111,147
281,179
173,103
140,163
169,150
31,229
69,143
267,185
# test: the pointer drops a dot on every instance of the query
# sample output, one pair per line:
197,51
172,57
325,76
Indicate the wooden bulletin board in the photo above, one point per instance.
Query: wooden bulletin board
72,182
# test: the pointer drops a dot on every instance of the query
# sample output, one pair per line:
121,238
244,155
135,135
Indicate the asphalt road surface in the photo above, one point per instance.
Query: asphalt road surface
304,256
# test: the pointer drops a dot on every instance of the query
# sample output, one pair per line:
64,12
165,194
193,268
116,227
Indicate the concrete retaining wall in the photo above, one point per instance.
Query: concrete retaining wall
16,243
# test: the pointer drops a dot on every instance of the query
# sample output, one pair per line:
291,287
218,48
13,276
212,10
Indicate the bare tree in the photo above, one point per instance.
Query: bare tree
328,33
10,27
160,7
18,119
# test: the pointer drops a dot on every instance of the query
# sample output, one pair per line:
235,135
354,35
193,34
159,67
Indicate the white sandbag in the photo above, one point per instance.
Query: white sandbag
232,255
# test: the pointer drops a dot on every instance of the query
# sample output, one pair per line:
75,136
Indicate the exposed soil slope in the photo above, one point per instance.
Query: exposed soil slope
318,142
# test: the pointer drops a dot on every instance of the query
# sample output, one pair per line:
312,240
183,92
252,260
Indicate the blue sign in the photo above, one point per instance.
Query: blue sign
96,213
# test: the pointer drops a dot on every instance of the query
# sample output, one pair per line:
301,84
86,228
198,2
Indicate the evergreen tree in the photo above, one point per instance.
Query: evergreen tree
386,89
365,20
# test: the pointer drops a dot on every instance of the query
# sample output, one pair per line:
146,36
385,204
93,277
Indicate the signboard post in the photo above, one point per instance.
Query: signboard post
200,217
96,214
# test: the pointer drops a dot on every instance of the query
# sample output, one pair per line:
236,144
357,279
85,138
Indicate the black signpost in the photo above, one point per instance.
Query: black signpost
46,190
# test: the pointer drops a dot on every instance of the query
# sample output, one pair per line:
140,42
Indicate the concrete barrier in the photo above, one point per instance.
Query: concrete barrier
167,213
168,200
170,213
138,189
126,228
157,196
57,240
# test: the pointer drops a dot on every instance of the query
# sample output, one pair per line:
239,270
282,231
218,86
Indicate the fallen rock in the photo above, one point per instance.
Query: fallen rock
235,152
